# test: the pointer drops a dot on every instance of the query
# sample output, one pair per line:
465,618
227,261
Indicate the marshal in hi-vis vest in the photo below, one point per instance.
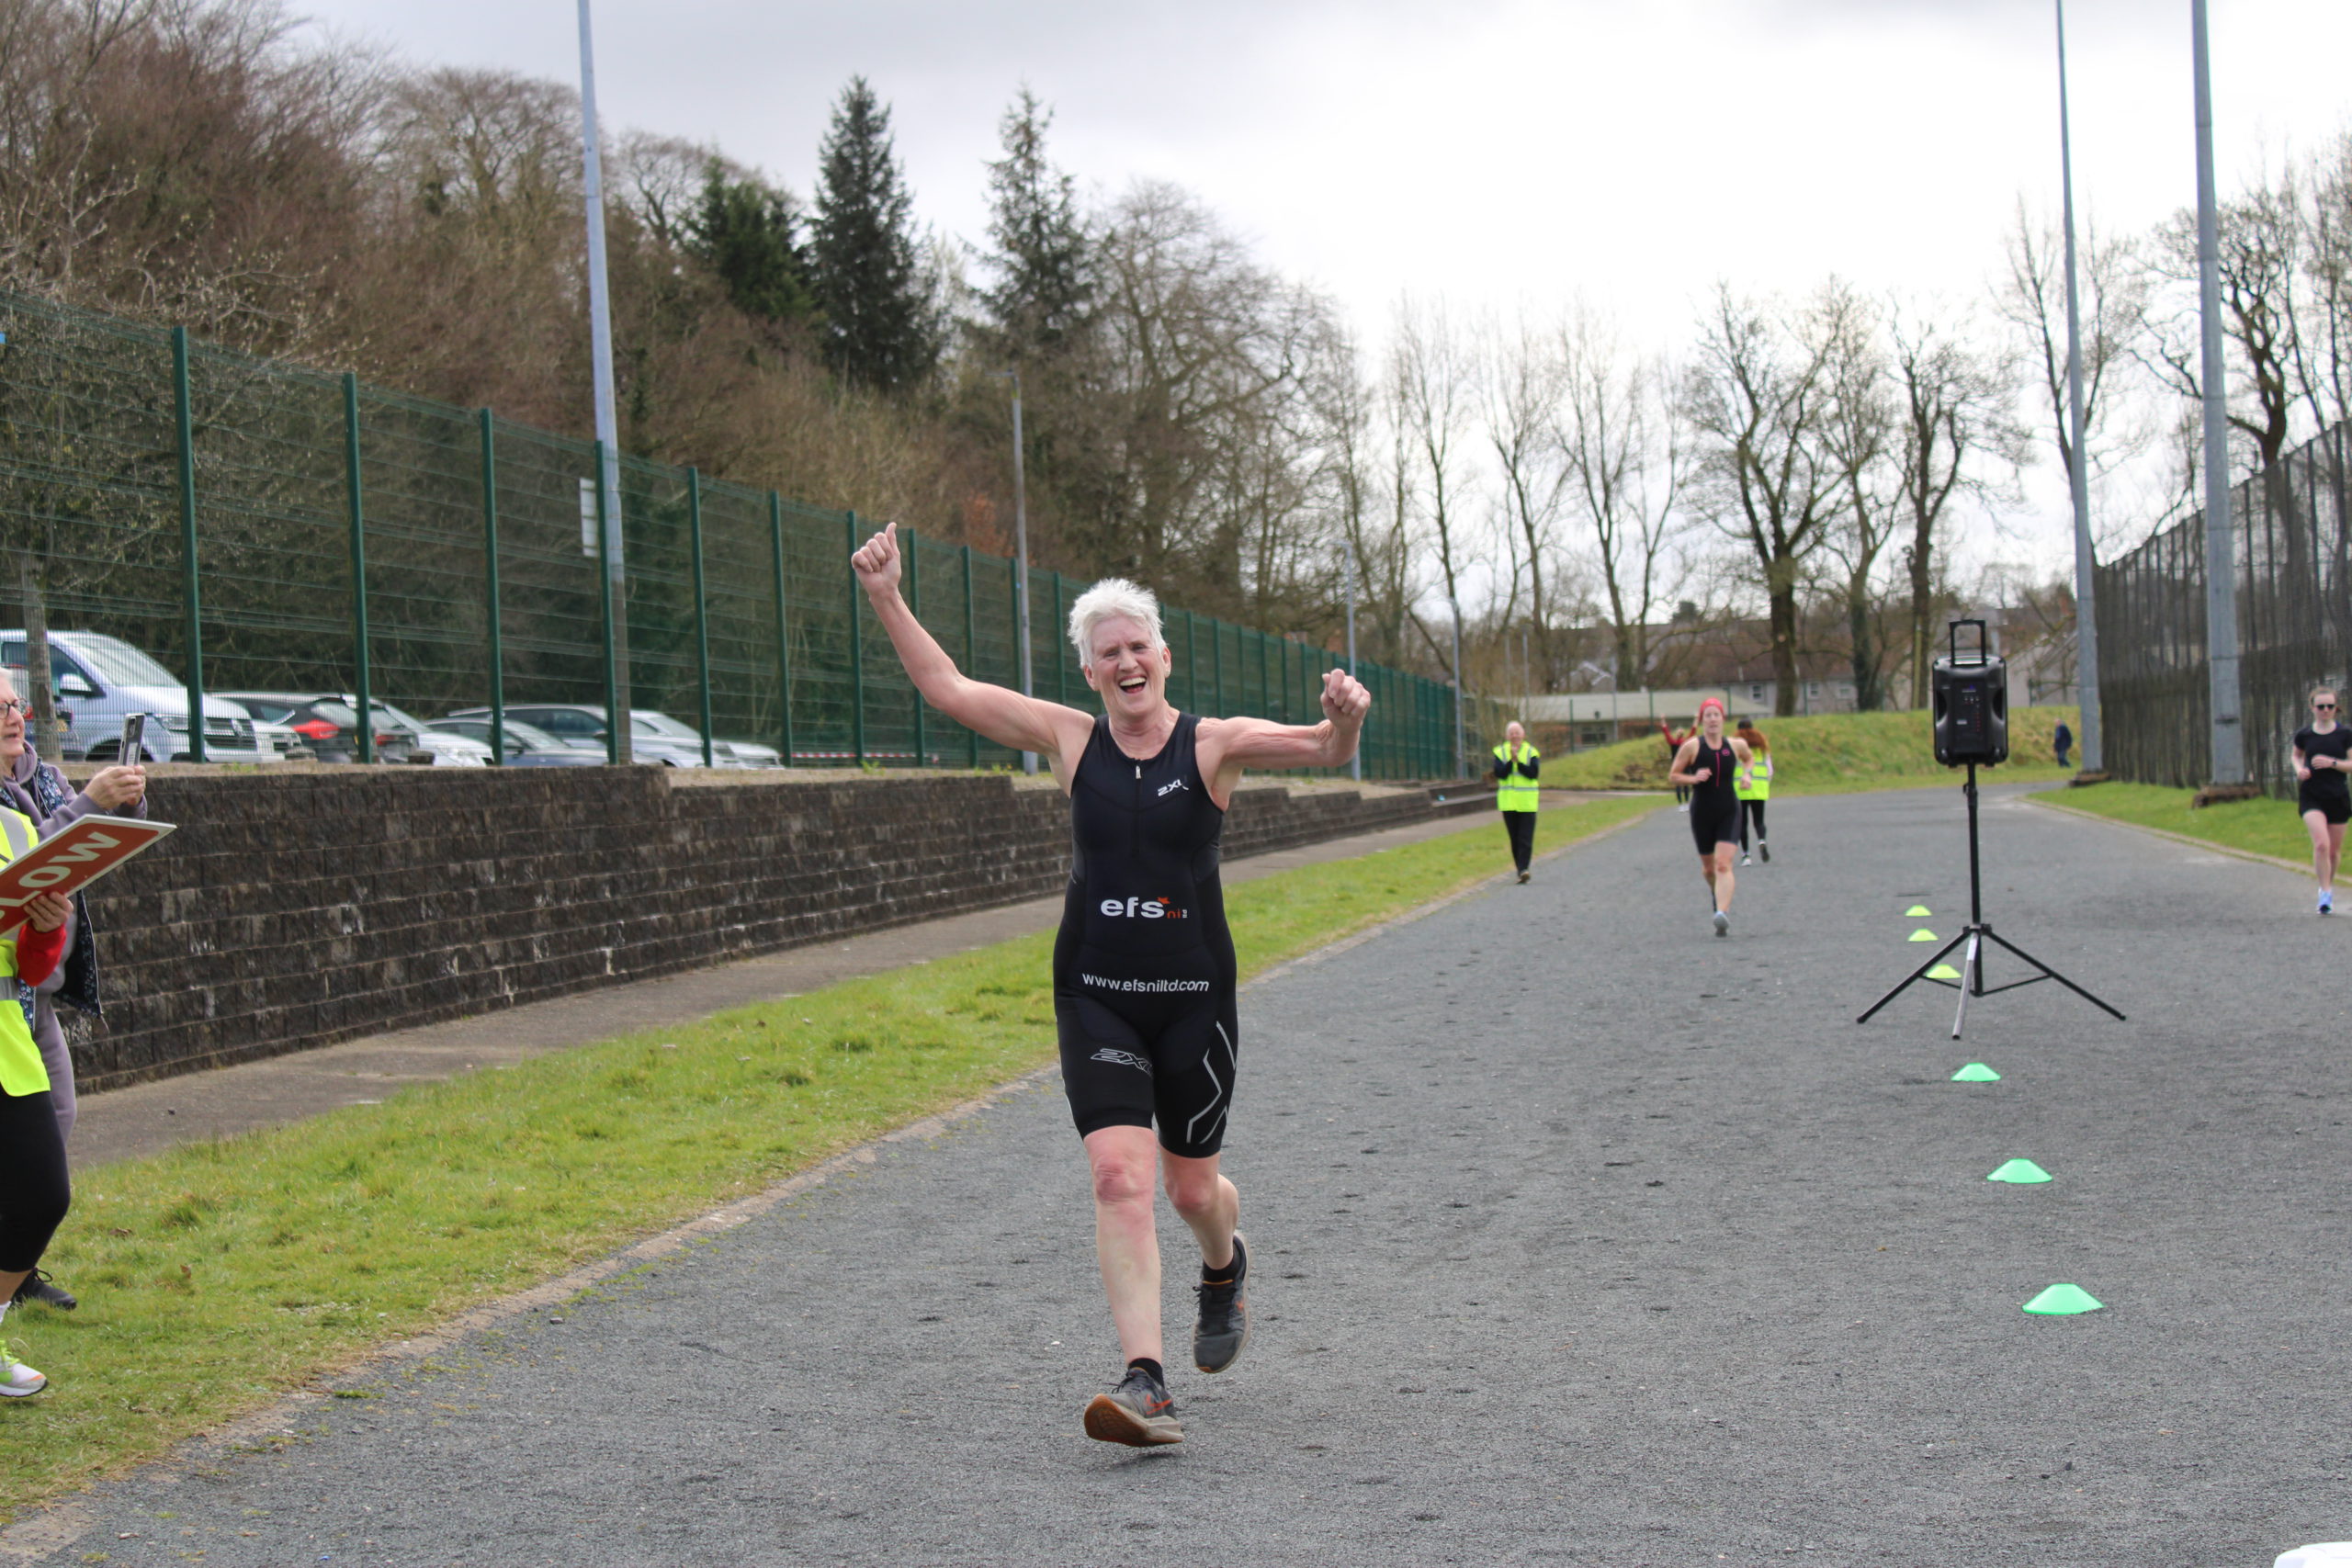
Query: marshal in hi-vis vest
1514,793
21,1071
1754,782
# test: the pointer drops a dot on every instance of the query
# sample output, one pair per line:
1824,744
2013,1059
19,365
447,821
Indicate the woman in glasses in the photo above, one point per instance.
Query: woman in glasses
2322,792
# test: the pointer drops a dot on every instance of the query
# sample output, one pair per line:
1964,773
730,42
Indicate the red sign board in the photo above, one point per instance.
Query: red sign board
70,859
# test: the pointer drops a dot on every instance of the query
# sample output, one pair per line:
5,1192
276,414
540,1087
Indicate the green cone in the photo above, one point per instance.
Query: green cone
1923,934
2021,1171
1976,1072
1917,911
2063,1300
1943,971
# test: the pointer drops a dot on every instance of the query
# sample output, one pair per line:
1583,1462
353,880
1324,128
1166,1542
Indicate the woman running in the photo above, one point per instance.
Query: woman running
2322,793
1754,788
1144,972
1705,762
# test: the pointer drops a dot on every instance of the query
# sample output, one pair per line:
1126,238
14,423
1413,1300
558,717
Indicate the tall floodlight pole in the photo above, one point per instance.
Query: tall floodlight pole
2220,551
1020,551
2078,473
1461,738
600,349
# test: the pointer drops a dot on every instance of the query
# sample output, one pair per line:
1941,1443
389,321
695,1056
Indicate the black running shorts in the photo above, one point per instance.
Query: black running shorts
1140,1058
2336,805
1711,825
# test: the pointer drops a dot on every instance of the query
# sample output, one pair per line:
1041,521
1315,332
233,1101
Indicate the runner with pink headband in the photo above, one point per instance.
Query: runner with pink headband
1707,763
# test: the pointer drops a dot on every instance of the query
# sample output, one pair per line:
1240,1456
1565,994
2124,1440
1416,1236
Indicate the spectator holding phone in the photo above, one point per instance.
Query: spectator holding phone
37,789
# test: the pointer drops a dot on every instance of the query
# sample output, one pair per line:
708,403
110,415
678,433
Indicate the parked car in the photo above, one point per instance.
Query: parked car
527,745
583,725
740,753
330,722
102,680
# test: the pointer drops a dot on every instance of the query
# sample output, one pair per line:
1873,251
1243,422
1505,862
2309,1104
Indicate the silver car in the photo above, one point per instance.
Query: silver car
102,680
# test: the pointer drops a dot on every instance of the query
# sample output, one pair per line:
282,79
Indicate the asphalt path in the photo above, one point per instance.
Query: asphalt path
1580,1236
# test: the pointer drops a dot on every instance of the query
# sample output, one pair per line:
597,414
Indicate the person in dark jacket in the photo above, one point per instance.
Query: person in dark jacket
1514,769
2061,741
40,792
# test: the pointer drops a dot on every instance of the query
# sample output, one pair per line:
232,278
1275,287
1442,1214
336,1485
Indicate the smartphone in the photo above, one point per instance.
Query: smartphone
134,738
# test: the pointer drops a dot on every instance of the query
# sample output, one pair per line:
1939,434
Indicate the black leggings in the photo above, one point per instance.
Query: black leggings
34,1190
1520,827
1750,811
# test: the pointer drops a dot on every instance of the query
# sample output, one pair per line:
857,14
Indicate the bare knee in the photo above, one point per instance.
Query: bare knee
1119,1183
1193,1194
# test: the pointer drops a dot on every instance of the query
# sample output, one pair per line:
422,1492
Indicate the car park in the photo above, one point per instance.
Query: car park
100,681
739,754
528,746
330,723
583,725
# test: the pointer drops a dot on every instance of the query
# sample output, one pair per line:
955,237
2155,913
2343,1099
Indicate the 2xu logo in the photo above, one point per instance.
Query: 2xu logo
1135,908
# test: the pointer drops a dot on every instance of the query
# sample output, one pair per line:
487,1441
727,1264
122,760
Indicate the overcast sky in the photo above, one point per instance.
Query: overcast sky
1498,151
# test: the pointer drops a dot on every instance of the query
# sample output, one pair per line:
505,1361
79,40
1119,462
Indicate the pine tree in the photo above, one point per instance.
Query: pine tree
1044,262
879,330
745,231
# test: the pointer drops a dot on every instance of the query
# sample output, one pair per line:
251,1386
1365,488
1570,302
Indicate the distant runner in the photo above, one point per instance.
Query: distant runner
2322,793
1144,972
1705,762
1754,788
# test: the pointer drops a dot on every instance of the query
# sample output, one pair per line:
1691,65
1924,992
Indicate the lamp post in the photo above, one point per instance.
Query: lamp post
600,349
2221,549
2079,461
1021,549
1355,765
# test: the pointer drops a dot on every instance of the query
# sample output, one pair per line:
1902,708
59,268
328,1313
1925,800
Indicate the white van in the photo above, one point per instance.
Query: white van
102,679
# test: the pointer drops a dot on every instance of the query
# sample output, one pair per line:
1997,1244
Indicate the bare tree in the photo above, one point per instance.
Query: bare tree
1435,379
1621,439
1759,398
1858,439
1523,382
1952,403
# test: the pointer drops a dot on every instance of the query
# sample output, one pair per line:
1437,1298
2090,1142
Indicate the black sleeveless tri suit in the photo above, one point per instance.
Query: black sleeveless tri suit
1715,805
1143,967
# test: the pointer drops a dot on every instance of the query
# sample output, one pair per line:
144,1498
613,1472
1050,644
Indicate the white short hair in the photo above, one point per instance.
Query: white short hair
1113,598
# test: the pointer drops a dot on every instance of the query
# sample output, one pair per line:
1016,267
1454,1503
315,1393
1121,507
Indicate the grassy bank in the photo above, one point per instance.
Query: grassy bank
1826,754
2265,827
218,1276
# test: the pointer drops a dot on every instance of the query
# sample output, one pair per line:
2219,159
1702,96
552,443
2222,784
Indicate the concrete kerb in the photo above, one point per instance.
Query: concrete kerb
59,1525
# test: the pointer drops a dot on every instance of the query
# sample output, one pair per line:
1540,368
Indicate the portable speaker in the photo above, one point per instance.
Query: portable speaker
1972,702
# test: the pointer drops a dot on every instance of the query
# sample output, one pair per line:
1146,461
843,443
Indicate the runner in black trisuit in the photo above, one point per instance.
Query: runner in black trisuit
1143,968
1706,763
2322,793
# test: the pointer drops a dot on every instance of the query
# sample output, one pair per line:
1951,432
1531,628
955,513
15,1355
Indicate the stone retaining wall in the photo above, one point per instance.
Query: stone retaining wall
296,909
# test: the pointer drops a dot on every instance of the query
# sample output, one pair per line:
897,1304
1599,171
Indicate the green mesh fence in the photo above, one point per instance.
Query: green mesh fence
255,527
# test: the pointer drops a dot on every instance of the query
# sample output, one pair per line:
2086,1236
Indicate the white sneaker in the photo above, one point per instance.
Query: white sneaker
1748,860
1684,806
1723,923
16,1380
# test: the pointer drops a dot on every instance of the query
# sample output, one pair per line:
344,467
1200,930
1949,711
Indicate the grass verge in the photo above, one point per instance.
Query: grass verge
222,1275
1828,754
2265,827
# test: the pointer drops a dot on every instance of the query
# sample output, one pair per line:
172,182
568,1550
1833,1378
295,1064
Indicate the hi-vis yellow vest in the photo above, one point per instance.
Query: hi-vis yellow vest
1516,794
1760,774
21,1071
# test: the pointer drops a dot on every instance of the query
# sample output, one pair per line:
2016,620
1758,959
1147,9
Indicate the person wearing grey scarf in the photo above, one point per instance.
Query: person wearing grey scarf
40,792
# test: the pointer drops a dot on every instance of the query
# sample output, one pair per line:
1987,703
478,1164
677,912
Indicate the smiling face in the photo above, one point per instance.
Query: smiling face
1710,724
12,725
1514,733
1125,669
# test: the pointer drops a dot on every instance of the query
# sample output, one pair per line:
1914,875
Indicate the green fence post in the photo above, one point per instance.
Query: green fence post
1061,665
490,588
856,652
358,565
184,416
1191,661
1216,662
1012,580
971,653
783,628
907,546
613,718
702,611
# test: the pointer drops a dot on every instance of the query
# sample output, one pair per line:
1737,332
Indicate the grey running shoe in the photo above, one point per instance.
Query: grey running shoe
1525,875
1764,849
1137,1412
1723,923
1224,1328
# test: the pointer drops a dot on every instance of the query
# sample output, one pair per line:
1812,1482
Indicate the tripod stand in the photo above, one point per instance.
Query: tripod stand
1977,933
